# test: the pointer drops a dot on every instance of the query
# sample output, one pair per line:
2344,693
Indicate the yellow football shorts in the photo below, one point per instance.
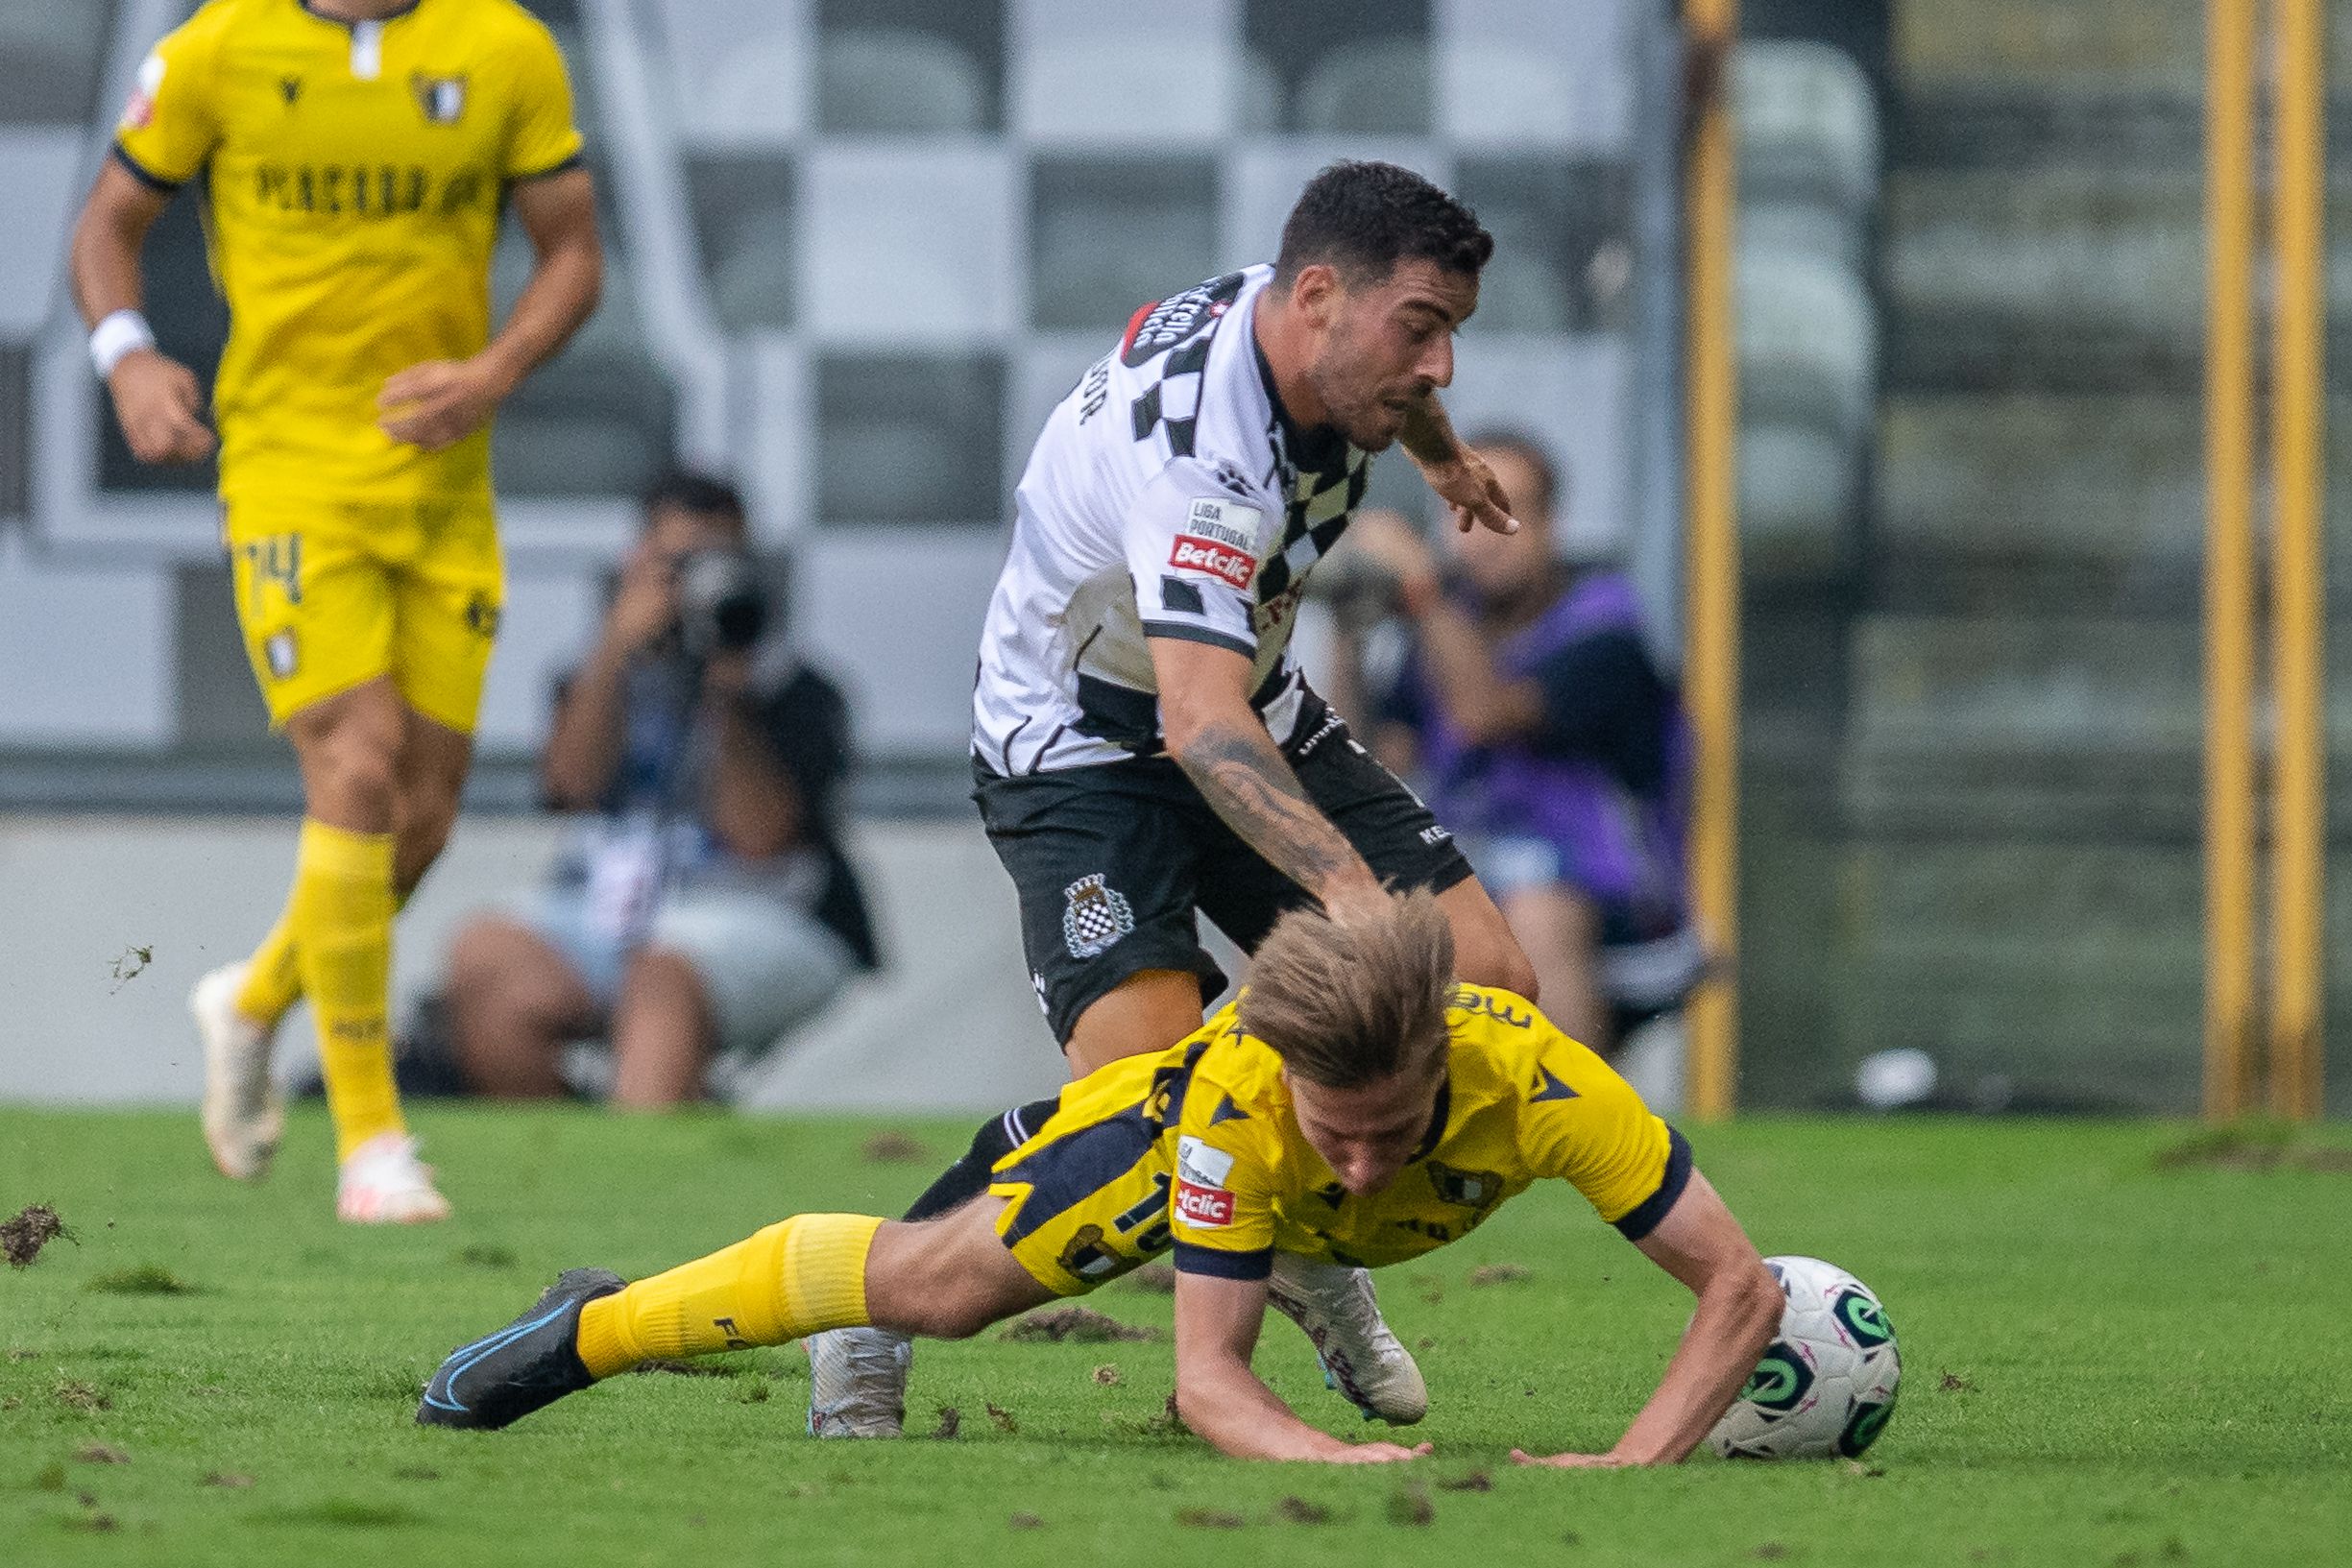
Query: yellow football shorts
331,595
1088,1193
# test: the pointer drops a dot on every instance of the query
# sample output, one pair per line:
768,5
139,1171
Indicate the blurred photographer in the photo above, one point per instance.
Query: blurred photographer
706,908
1518,686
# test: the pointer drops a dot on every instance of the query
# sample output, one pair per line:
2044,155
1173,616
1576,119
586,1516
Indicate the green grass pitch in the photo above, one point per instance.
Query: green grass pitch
2107,1361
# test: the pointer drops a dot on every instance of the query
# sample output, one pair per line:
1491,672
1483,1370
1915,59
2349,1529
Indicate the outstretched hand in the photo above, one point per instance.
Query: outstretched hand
1572,1461
1380,1454
1469,488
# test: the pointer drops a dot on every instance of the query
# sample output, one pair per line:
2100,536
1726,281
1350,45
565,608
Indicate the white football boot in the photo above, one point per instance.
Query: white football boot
242,1114
383,1183
858,1382
1362,1358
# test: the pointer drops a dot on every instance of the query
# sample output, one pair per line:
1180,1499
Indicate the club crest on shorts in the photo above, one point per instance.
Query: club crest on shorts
278,649
1097,916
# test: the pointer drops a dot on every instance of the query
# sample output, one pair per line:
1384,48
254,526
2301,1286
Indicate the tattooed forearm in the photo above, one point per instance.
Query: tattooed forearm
1249,784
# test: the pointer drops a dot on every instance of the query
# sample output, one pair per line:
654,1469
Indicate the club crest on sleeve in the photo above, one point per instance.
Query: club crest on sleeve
139,110
1095,916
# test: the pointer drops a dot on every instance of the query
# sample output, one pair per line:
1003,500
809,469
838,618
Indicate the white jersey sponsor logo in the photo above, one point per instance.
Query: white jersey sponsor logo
1166,497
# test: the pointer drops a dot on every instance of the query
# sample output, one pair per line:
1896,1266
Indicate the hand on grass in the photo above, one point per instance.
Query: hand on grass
1572,1461
1380,1454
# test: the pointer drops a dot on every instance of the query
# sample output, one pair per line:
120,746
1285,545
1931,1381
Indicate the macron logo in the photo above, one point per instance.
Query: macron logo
1204,1205
1221,561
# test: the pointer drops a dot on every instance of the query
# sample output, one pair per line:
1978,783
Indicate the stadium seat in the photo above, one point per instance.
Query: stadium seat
51,53
896,80
1497,92
908,243
1809,129
42,174
743,206
1522,291
906,438
1108,237
1796,489
1088,89
2126,43
1808,343
1367,87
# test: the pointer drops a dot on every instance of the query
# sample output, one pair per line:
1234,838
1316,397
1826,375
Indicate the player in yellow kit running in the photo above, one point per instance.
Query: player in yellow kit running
357,157
1353,1107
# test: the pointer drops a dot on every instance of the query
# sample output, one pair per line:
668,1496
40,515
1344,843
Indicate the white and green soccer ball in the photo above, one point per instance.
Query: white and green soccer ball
1827,1386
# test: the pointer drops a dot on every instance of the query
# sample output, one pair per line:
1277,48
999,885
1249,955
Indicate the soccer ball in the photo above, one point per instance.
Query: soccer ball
1828,1384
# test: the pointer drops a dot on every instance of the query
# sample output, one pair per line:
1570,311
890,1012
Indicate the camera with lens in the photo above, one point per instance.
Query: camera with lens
722,603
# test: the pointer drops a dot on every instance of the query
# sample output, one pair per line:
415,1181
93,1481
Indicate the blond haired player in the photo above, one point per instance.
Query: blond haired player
1353,1107
356,156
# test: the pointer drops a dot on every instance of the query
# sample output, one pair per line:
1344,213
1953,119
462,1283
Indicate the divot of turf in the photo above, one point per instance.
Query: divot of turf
1210,1519
1952,1383
669,1367
1025,1521
891,1147
81,1396
1106,1375
1079,1325
1297,1510
228,1478
34,1226
1154,1278
1478,1481
486,1255
1500,1273
101,1454
1410,1505
951,1422
145,1279
349,1512
1001,1419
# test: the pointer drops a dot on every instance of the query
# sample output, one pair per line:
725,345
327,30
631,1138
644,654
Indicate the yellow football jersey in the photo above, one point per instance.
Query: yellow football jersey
354,177
1521,1102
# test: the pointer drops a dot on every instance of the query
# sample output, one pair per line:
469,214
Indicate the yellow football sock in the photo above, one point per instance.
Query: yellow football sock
274,975
801,1276
340,917
274,979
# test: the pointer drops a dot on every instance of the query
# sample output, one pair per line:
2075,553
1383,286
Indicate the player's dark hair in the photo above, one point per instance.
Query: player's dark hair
1528,451
697,492
1364,218
1346,1004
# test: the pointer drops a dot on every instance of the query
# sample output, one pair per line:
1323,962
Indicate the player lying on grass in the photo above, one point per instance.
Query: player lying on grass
1354,1106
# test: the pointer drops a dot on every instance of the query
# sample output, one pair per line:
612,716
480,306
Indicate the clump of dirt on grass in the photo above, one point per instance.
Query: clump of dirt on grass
1500,1273
2259,1146
1297,1510
81,1396
951,1422
1106,1375
1952,1383
1154,1278
1001,1419
486,1255
891,1147
36,1226
101,1454
1409,1505
145,1279
1478,1481
1077,1325
1209,1519
666,1366
1025,1521
230,1479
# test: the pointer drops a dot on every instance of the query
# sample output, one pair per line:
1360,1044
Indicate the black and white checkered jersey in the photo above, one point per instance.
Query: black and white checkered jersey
1170,495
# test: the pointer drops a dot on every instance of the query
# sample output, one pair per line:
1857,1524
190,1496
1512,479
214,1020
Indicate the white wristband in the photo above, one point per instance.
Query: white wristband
122,332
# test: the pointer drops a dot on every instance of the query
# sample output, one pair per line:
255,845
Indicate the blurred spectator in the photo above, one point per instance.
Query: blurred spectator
1524,695
706,908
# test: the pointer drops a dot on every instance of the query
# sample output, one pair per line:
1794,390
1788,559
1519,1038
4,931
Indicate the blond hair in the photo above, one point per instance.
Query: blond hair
1345,1003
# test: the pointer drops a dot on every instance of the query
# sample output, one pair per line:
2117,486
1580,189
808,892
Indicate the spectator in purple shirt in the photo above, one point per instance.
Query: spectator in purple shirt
1526,700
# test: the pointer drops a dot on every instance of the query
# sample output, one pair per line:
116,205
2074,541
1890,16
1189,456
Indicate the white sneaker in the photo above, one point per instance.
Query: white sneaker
383,1183
1361,1359
858,1382
242,1114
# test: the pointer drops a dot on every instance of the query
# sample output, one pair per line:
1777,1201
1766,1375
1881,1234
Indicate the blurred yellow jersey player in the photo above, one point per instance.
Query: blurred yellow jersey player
1201,1149
356,156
